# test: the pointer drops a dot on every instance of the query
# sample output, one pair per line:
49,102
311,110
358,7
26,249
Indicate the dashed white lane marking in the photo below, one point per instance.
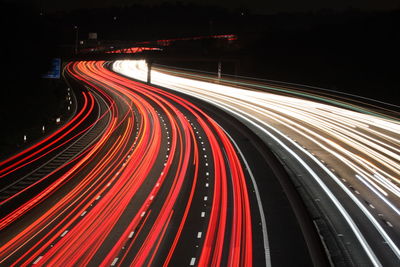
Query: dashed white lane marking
37,260
203,214
192,261
83,213
205,198
98,197
143,213
131,234
114,261
389,224
199,234
64,233
206,184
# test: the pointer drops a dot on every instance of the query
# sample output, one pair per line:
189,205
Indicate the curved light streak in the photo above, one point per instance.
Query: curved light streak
128,186
361,142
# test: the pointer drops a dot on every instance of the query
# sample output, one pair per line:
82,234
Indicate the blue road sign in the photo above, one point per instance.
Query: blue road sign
55,71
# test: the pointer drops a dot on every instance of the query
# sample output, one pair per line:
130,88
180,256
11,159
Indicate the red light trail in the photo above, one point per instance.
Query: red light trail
134,195
341,151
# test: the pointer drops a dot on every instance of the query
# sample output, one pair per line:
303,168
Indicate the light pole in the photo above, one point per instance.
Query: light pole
76,39
219,69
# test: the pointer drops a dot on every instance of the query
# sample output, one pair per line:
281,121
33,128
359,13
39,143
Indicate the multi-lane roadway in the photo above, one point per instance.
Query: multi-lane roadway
196,171
343,157
137,176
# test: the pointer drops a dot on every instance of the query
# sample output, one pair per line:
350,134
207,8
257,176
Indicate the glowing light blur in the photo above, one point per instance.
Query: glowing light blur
120,176
364,145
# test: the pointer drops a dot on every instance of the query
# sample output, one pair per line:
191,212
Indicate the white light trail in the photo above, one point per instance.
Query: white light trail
364,144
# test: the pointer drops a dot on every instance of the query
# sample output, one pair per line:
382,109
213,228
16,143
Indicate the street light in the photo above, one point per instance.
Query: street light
76,39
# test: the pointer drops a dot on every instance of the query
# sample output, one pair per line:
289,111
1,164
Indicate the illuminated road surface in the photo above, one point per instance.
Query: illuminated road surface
346,159
152,180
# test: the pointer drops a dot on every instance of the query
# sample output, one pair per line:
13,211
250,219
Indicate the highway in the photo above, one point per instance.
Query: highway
191,170
343,158
139,176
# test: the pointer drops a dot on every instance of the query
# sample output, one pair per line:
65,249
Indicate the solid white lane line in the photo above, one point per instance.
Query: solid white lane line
259,202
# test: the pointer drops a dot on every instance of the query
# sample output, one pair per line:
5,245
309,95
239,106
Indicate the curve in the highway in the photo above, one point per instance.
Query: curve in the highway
343,158
162,184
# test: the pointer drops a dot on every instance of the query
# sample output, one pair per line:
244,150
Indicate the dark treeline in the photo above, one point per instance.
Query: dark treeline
351,51
346,50
26,100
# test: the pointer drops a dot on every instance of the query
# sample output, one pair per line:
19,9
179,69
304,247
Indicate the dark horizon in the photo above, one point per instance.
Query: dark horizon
346,49
252,6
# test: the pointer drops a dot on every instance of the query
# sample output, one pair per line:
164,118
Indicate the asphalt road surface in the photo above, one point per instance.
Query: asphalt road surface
342,157
142,175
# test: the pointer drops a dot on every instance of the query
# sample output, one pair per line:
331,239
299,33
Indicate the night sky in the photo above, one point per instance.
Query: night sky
254,6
